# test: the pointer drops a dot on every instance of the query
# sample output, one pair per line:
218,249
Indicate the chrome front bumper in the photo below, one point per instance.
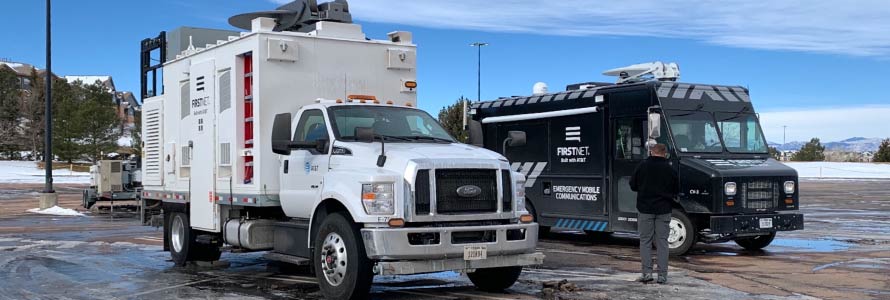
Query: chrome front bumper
392,243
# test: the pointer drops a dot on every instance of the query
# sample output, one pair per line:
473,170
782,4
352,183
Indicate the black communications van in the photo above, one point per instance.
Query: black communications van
583,144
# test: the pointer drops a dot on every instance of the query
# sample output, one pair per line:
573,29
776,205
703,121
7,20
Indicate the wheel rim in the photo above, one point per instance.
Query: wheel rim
177,234
677,235
333,259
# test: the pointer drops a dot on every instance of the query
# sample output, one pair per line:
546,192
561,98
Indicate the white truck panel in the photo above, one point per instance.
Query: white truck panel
200,140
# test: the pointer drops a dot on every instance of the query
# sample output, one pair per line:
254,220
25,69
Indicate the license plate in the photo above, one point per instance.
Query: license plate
475,252
766,223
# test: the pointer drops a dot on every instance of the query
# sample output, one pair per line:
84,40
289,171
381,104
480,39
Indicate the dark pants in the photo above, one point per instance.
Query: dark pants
654,227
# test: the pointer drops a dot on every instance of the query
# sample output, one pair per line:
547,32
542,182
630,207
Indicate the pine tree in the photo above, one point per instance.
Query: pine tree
33,110
883,154
67,126
811,151
10,99
451,117
102,124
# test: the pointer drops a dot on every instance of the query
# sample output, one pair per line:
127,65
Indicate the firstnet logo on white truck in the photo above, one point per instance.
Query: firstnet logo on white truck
306,143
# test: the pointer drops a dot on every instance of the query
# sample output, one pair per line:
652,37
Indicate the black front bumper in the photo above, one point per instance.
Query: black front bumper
741,224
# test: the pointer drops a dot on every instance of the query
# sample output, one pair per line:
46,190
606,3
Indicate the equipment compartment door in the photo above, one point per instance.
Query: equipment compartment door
628,150
203,211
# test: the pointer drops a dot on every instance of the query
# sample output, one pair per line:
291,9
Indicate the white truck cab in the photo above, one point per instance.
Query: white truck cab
243,152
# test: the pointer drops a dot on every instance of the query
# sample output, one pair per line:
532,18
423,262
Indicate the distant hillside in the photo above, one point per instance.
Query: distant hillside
855,144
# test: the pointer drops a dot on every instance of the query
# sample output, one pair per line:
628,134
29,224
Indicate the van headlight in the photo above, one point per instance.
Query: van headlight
729,188
789,187
378,198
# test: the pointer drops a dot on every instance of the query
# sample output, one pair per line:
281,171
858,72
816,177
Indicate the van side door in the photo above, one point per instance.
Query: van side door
303,171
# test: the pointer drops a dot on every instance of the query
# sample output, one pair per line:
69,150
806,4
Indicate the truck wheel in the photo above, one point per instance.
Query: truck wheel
183,247
682,234
495,279
756,242
341,264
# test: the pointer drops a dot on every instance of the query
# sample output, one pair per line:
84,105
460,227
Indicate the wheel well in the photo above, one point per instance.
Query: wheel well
325,208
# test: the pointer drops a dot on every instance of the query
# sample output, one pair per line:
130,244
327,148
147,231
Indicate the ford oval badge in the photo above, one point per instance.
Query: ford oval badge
469,191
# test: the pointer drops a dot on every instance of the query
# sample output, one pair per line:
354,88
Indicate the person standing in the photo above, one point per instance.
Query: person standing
656,184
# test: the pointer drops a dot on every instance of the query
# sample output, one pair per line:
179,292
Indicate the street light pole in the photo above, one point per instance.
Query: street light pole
48,197
479,46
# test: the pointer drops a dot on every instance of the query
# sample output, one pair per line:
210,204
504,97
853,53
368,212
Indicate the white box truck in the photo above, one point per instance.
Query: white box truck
301,138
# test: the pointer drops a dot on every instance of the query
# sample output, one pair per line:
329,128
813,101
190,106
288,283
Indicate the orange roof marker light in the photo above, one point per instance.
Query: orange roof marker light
362,97
389,102
409,104
411,84
339,100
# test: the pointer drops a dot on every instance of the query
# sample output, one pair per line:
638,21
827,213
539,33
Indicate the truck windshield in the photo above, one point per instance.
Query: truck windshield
741,133
694,131
397,123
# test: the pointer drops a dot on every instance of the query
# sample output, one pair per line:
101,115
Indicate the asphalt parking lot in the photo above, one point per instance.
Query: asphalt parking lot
844,253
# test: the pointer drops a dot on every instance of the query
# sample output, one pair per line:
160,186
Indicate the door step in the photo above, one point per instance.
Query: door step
294,260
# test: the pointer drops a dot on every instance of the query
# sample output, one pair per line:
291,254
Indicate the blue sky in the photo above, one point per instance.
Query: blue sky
820,68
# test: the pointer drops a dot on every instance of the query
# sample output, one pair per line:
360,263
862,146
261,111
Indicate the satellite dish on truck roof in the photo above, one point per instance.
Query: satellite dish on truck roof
297,15
539,88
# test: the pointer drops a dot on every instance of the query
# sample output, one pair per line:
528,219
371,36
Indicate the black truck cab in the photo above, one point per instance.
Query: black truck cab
583,145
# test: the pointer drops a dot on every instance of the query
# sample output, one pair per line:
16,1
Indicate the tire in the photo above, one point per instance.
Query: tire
495,279
182,244
543,231
341,264
682,234
755,243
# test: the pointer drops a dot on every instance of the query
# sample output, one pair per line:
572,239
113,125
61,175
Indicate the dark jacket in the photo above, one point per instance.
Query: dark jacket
656,185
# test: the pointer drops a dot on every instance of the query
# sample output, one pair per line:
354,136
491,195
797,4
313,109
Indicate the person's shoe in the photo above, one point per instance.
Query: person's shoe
661,279
645,278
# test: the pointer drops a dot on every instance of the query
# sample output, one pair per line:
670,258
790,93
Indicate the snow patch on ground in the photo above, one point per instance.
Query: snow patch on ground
27,172
56,211
840,170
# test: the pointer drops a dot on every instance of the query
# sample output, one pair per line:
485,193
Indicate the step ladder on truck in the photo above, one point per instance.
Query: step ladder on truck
301,137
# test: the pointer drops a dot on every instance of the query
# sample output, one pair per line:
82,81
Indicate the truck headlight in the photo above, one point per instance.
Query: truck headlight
729,188
519,195
378,198
789,187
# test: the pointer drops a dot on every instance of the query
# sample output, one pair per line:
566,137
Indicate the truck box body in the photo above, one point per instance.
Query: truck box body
204,136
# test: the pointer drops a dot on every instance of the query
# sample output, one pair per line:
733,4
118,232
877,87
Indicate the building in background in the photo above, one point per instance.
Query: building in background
127,106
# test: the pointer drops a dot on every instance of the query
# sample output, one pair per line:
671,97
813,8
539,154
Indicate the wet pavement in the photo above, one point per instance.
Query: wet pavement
844,253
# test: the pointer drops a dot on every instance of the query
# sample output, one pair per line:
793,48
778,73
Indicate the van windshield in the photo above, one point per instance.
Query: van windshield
694,131
741,133
399,124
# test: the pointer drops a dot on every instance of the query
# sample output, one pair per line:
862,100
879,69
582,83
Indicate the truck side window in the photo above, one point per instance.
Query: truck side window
629,141
311,127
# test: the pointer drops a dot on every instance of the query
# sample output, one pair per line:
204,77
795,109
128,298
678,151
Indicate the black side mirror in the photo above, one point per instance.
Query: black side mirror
516,138
321,146
281,135
364,134
475,131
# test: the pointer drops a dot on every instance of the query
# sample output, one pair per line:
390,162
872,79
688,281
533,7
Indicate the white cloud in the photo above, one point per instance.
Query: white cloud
828,124
855,28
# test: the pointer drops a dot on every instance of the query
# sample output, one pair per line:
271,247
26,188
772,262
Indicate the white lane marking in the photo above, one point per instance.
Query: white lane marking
150,238
575,276
172,287
292,279
569,252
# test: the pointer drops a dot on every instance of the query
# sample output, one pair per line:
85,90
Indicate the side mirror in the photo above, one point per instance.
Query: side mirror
364,134
654,125
516,138
281,135
474,129
321,146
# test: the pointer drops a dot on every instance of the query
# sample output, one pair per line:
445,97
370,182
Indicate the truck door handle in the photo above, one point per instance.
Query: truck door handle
285,166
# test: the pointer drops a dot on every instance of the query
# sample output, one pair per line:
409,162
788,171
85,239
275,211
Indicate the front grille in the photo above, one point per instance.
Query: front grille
760,194
449,180
422,192
507,190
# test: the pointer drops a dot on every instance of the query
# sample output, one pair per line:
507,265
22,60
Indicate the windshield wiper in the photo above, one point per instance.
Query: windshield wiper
425,137
383,136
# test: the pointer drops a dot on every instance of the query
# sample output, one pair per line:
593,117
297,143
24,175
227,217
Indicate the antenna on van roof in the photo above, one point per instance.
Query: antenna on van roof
646,71
298,15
